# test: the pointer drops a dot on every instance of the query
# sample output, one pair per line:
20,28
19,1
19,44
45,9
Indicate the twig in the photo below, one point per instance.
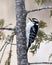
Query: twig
38,9
3,46
3,53
41,63
9,57
7,29
8,40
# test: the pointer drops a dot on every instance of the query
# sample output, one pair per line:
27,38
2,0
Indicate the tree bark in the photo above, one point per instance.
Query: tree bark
20,33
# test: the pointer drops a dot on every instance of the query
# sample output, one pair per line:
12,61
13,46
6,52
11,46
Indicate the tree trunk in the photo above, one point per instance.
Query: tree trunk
20,35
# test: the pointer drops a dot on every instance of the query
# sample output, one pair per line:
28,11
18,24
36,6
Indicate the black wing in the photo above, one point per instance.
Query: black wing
33,33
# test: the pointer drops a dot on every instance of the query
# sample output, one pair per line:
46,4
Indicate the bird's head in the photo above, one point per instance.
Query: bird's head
34,21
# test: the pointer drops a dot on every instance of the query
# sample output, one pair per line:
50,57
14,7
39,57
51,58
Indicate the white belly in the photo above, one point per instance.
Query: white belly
28,27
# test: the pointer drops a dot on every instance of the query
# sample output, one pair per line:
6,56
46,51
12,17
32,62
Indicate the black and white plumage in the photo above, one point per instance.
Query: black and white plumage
31,31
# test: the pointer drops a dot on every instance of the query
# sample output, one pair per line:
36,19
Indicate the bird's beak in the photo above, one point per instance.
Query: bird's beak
30,19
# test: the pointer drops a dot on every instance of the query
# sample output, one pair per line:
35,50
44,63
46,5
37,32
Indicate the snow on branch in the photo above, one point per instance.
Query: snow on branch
38,9
7,29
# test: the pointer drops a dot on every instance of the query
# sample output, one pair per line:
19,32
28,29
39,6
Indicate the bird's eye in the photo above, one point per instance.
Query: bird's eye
35,19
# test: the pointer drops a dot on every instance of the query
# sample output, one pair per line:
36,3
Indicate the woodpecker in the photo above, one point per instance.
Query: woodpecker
31,31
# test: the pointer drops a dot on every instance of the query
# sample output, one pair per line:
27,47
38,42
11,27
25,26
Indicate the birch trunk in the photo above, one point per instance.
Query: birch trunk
20,35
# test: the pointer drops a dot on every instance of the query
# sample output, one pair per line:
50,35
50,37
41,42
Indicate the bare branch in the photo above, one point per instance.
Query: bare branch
38,9
8,40
3,53
7,28
41,63
3,47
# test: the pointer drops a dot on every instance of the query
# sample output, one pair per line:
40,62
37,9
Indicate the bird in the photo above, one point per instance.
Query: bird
31,31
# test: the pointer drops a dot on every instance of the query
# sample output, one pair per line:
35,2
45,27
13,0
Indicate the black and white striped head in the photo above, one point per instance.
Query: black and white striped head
34,21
